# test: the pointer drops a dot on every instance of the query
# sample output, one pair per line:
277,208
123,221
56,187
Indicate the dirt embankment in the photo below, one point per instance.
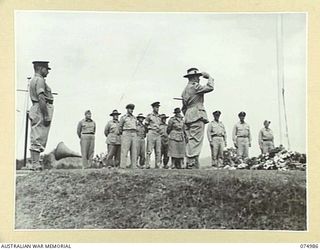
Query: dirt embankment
101,198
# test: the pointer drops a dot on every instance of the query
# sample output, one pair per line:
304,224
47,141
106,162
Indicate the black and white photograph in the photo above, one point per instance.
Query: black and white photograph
161,120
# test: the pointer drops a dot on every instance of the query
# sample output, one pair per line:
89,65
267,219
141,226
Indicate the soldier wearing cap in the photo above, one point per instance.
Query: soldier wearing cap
86,130
141,143
152,122
40,113
128,131
113,141
164,141
177,139
241,136
266,138
217,138
195,114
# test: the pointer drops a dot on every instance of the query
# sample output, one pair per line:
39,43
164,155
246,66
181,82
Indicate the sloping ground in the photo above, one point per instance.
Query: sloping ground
101,198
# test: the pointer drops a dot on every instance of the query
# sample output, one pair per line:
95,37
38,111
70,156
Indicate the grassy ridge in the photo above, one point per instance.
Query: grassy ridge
102,198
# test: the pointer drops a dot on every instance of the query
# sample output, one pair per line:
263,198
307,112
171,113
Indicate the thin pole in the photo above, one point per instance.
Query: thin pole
279,71
27,127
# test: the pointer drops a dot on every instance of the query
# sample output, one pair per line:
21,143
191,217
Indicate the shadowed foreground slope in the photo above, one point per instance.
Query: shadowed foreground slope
101,198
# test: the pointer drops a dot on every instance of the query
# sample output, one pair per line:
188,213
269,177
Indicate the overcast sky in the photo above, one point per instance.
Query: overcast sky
104,60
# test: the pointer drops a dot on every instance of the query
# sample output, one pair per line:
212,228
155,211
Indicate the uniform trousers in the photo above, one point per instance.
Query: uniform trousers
194,132
266,146
128,143
164,153
87,149
113,157
217,146
153,143
243,147
141,151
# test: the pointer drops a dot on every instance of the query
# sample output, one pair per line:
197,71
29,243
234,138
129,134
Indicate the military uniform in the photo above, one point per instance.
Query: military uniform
141,144
266,140
217,138
177,147
164,144
86,131
153,138
242,138
113,141
195,117
128,131
39,130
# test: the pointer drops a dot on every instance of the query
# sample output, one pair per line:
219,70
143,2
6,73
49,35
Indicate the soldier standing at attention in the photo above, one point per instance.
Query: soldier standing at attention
128,131
141,143
111,131
266,138
241,136
177,139
217,138
86,130
153,136
195,114
164,141
40,113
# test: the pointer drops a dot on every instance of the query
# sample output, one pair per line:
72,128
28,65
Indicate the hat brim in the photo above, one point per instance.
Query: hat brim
188,75
141,117
48,68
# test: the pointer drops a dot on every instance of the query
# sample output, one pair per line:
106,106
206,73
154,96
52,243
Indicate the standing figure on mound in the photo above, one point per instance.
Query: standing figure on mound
86,130
217,138
40,113
153,136
241,136
111,131
164,141
128,131
177,139
266,138
195,114
141,142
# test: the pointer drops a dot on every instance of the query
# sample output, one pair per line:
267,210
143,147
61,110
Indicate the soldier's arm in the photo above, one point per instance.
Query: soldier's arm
169,128
121,123
209,132
225,136
201,89
249,135
106,129
79,129
94,128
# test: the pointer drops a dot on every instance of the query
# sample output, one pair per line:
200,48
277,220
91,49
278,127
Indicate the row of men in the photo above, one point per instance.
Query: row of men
166,140
187,133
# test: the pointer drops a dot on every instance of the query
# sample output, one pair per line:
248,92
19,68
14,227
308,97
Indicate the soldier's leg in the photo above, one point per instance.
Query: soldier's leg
117,155
84,151
212,155
143,153
240,147
215,150
157,151
264,147
246,148
91,149
125,146
133,151
138,151
165,155
220,153
150,146
111,154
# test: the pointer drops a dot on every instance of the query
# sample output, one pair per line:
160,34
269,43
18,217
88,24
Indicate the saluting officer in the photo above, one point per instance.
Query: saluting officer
195,114
40,113
242,136
86,130
164,141
141,143
266,138
152,122
112,133
217,138
128,131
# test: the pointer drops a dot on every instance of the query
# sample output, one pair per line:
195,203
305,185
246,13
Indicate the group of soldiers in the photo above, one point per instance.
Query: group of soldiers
180,138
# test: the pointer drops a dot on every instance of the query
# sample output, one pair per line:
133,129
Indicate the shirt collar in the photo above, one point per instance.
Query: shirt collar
37,74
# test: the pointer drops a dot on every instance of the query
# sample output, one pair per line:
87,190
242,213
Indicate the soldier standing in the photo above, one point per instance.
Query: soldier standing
164,141
40,113
217,138
195,114
241,136
153,136
86,130
111,131
141,143
177,138
266,138
128,131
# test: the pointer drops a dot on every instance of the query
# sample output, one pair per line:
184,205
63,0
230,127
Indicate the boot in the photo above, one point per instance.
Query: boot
35,160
